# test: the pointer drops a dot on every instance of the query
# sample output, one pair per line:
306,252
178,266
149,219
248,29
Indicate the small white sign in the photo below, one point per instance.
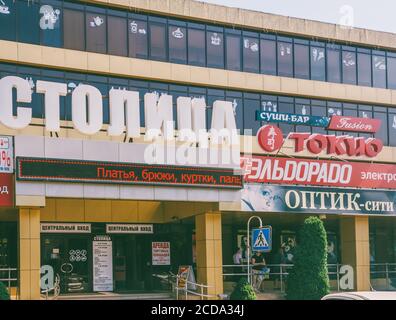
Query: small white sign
65,228
161,253
129,228
102,265
6,155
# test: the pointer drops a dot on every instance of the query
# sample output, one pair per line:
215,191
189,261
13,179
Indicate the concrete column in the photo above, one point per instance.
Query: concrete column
355,250
209,251
29,253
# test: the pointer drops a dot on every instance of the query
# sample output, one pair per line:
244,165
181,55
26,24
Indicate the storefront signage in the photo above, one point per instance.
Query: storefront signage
261,169
296,119
6,190
270,198
65,227
6,155
129,228
270,139
102,263
38,169
160,253
342,123
124,110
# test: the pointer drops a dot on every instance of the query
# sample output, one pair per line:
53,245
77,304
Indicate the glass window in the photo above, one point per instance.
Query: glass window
28,29
379,71
215,49
137,33
392,127
333,65
251,55
350,110
349,67
177,44
286,107
318,108
304,109
7,20
117,44
196,47
73,24
301,61
365,111
382,133
233,52
391,65
158,41
318,64
249,122
237,106
268,56
364,69
285,59
95,26
50,24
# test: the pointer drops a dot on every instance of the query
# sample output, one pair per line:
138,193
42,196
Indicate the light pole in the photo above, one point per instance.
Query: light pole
248,243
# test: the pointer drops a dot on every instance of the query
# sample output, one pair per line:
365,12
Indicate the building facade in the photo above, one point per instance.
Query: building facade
88,191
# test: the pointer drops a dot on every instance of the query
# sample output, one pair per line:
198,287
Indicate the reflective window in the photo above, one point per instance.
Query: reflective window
350,110
365,111
285,59
233,52
349,67
251,55
304,108
215,49
301,61
157,41
237,106
333,65
7,20
117,44
391,66
50,23
73,24
286,105
177,44
95,28
268,56
196,47
318,64
137,36
379,71
392,127
250,105
364,69
28,22
380,114
318,108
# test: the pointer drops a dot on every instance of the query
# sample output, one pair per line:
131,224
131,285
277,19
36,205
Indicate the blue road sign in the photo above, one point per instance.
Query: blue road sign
262,239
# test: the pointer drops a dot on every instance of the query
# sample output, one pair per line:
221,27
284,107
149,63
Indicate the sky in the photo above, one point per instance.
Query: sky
376,15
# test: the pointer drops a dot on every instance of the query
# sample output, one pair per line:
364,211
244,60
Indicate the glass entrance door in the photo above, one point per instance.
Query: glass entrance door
132,263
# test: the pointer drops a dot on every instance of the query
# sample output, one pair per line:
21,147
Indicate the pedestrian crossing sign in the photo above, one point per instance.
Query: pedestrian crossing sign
262,239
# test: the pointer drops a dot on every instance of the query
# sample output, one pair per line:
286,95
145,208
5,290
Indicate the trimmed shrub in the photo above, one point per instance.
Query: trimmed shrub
308,279
243,291
4,295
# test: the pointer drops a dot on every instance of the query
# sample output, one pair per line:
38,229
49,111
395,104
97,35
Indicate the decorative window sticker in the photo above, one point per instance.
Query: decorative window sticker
3,8
50,17
96,22
215,39
178,34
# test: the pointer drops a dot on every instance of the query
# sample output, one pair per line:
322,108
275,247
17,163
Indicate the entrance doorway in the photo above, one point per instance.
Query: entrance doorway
132,262
70,257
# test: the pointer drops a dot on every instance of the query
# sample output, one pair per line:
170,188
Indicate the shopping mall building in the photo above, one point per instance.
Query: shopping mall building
96,184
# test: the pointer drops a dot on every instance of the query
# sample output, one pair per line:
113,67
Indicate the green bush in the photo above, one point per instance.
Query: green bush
4,295
308,279
243,291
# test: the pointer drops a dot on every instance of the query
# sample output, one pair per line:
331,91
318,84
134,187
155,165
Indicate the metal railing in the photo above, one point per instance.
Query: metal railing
277,272
10,277
380,272
175,280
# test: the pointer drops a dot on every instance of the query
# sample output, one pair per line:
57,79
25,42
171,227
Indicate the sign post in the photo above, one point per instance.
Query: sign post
248,244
